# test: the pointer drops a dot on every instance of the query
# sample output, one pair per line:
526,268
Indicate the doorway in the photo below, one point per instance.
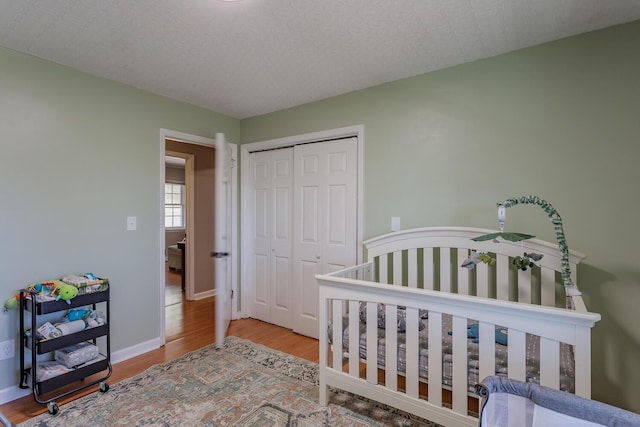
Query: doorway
176,212
199,153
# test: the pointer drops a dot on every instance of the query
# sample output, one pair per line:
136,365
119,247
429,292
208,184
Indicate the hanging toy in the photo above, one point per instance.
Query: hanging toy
476,258
526,261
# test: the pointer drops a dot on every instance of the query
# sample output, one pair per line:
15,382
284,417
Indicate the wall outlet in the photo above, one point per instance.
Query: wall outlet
132,223
7,349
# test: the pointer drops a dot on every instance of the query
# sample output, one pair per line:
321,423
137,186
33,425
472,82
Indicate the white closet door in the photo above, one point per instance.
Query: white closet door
325,221
271,174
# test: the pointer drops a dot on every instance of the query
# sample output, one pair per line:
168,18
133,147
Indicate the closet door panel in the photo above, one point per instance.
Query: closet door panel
308,231
325,221
336,215
280,216
309,216
261,294
281,292
308,290
259,298
340,209
271,272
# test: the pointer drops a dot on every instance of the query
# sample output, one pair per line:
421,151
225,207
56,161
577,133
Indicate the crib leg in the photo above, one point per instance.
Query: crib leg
324,395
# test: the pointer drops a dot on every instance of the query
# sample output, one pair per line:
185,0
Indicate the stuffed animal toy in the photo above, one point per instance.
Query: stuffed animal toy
66,293
473,332
79,314
12,303
476,258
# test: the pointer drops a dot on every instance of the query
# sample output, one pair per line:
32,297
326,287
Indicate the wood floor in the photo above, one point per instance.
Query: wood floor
189,326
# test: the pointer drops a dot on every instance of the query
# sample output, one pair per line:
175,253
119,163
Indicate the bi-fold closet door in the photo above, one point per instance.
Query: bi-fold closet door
305,204
272,182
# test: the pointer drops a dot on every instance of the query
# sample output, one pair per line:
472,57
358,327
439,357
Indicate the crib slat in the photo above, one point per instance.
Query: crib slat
412,265
435,358
412,371
548,287
502,277
372,343
459,360
482,280
427,267
516,355
583,361
336,332
354,338
445,269
391,347
549,363
487,350
463,274
324,346
384,271
368,274
397,268
524,286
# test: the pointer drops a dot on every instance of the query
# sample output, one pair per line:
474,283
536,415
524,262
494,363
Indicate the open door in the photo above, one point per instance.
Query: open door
224,293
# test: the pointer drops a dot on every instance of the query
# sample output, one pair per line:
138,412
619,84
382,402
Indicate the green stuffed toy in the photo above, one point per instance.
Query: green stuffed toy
66,292
12,303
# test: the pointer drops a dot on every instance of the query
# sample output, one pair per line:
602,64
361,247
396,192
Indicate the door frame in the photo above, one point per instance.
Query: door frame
209,142
290,141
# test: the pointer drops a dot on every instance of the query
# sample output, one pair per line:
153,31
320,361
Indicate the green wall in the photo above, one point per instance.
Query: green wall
79,155
560,121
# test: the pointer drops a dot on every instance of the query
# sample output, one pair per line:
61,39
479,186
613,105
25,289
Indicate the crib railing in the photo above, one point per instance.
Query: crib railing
430,258
341,293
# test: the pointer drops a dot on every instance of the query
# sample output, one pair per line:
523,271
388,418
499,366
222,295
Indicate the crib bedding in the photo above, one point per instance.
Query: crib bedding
566,361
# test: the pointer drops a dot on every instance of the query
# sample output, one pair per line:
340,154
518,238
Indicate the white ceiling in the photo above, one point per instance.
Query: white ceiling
252,57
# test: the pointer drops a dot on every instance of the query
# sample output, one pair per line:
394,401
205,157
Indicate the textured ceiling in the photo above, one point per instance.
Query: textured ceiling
253,57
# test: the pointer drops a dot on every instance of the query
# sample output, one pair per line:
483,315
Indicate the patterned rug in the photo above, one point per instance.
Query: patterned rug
242,384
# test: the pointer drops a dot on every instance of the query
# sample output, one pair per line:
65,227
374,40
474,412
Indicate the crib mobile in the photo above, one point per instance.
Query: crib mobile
527,260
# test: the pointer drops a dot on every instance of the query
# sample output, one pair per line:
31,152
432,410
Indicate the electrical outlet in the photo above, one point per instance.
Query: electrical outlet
7,349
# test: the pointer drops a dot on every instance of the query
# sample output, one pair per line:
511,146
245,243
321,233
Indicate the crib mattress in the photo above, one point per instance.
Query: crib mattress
567,369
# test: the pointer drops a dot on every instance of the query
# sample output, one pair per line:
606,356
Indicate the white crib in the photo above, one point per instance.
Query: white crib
424,268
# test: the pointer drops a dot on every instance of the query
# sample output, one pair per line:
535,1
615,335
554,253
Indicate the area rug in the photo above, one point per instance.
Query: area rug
242,384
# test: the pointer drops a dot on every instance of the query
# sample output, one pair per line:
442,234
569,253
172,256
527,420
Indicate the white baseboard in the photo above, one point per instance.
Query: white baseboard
14,392
136,350
205,294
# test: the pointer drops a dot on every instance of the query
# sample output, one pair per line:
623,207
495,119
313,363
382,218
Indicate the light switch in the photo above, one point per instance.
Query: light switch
132,223
395,223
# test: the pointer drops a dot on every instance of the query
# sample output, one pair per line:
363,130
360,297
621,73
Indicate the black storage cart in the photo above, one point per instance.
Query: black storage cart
30,307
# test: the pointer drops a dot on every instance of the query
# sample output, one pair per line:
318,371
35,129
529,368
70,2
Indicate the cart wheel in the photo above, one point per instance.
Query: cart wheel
104,387
53,408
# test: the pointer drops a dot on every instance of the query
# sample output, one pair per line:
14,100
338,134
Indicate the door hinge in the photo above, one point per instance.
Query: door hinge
219,254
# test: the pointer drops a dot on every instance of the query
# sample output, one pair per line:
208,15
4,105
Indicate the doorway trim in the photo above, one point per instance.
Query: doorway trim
196,140
290,141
